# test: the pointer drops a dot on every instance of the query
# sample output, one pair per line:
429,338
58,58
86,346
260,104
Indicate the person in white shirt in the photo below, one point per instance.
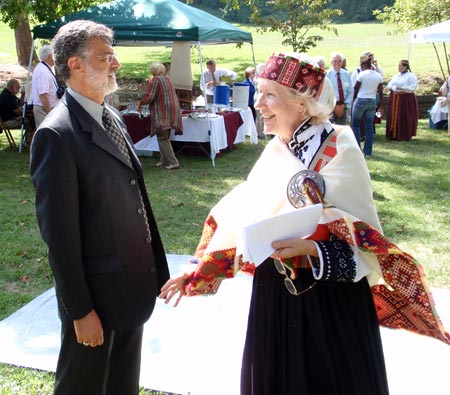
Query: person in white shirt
327,96
343,90
368,84
211,77
373,63
44,85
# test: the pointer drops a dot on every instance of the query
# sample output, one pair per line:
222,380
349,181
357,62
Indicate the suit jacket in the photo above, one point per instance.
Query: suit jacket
89,211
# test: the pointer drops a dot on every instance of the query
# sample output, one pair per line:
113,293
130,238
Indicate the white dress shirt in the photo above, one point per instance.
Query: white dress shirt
208,77
403,82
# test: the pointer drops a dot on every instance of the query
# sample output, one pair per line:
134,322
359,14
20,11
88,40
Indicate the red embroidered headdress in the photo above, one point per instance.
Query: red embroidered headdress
294,71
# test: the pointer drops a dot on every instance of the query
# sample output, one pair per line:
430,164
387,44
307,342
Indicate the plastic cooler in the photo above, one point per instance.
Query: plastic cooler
222,95
240,95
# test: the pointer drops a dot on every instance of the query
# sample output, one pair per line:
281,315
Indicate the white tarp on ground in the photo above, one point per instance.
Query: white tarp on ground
196,348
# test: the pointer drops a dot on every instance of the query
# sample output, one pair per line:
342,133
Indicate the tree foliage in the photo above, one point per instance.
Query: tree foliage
12,11
406,15
359,10
294,19
18,14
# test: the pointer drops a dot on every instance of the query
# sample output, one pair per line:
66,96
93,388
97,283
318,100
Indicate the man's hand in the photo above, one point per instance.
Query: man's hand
89,330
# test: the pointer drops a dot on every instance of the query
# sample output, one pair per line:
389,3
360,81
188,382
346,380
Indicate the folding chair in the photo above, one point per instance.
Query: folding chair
9,136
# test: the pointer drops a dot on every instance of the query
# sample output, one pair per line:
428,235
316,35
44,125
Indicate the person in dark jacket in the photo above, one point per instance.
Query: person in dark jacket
95,216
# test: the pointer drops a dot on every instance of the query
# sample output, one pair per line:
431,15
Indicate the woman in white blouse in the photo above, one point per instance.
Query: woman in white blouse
403,111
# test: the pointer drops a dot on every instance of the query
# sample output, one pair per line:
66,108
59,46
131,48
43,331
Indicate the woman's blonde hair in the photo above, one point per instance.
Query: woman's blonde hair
249,70
157,68
315,110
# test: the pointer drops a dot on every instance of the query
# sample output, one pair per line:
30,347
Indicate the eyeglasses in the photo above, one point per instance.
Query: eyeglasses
288,283
107,58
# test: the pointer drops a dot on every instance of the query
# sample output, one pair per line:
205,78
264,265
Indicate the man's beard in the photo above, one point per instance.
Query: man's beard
100,81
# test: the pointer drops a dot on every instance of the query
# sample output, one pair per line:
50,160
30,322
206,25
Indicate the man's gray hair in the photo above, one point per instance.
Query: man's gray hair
320,60
73,39
336,55
45,52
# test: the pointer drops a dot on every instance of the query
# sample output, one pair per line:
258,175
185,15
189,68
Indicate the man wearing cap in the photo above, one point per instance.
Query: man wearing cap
374,65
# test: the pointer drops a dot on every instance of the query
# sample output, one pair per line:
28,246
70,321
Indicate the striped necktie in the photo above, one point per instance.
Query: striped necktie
113,131
116,135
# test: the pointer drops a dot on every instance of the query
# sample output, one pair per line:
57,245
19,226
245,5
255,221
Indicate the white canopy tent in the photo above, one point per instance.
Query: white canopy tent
438,33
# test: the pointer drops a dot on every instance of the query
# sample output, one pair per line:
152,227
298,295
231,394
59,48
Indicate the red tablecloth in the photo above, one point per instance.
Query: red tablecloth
233,121
138,128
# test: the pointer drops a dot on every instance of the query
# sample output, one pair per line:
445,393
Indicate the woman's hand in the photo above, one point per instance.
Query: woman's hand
294,247
172,287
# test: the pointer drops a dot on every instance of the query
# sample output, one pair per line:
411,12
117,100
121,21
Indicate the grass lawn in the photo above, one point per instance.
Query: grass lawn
411,190
352,40
410,179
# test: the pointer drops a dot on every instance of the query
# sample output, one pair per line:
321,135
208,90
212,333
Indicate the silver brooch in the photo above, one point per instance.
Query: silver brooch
305,188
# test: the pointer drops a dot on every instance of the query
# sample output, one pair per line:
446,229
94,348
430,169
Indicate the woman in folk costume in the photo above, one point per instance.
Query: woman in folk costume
403,111
316,303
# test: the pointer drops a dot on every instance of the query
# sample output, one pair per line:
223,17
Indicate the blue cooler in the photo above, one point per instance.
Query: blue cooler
222,95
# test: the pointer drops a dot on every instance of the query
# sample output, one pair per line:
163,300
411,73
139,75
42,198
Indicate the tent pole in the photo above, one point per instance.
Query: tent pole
204,95
22,127
253,55
439,60
201,69
446,58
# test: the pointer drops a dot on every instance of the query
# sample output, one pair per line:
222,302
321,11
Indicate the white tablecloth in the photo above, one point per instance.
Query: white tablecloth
248,128
439,112
196,131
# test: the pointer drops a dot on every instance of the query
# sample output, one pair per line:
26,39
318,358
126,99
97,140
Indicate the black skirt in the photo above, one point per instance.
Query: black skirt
324,342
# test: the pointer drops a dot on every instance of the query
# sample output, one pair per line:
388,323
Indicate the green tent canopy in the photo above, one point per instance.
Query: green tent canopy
150,22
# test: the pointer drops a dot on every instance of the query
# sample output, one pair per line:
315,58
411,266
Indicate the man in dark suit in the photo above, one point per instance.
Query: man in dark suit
95,216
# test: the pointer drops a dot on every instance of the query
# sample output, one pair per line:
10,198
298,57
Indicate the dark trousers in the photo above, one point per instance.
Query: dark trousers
110,369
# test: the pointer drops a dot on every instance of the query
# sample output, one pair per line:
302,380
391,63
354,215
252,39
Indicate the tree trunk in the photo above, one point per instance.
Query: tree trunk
23,42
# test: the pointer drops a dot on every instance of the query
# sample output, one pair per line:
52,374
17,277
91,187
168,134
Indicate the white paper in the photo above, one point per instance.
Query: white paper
257,238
